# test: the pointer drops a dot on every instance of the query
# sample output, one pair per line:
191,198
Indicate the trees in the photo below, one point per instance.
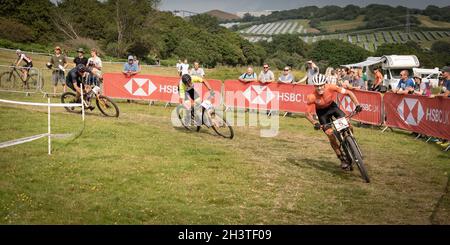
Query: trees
335,53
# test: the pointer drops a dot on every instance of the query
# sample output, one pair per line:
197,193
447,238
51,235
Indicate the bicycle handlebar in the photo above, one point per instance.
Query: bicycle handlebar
353,113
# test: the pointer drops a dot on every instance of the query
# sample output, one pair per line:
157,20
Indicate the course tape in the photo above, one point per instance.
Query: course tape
42,104
22,140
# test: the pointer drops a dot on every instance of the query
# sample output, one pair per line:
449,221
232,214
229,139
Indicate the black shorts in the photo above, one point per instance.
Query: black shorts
191,93
326,115
70,85
28,66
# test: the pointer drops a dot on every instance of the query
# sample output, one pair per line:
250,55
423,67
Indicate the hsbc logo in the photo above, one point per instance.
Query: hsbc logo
140,87
410,111
257,94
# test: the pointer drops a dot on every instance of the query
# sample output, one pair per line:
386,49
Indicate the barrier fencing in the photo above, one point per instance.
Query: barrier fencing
49,135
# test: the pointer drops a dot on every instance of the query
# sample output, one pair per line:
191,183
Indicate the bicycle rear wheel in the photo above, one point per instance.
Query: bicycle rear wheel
221,126
356,157
186,118
107,106
70,97
7,80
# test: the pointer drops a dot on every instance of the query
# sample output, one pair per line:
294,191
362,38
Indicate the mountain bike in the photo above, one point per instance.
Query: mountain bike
10,79
106,106
348,145
204,113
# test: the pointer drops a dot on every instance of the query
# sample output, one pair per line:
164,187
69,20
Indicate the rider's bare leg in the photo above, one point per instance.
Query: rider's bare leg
333,142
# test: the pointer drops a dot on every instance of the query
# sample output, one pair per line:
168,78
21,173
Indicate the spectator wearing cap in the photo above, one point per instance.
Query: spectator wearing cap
405,85
266,75
130,68
249,76
311,71
421,87
286,77
445,89
58,62
80,59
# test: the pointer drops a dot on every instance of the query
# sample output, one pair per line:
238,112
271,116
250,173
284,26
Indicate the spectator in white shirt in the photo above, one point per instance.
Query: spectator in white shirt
184,67
266,75
286,77
197,71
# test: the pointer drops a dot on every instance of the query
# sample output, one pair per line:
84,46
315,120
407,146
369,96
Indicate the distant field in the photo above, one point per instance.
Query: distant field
427,22
342,25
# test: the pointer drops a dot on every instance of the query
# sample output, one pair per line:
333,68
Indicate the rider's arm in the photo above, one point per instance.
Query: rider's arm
310,109
19,60
182,92
207,84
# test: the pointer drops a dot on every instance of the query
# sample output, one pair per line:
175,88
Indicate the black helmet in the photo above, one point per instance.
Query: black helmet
81,68
186,78
49,65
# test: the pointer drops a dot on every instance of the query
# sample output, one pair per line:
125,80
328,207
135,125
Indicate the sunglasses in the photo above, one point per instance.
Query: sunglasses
266,67
286,69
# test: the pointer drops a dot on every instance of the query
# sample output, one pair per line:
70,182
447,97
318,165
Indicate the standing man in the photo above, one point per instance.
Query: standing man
266,75
80,59
184,67
197,71
445,92
95,66
378,80
59,63
405,85
130,68
311,71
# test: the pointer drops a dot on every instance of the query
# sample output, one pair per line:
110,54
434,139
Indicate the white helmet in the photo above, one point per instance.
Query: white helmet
18,51
319,80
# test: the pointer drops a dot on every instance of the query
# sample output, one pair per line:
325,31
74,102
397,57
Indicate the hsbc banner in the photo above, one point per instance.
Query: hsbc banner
271,96
152,87
371,103
428,116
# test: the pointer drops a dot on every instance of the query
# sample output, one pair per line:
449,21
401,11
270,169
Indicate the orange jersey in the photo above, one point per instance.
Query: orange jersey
317,101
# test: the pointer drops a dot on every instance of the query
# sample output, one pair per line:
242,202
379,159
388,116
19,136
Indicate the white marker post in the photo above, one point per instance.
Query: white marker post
49,131
82,102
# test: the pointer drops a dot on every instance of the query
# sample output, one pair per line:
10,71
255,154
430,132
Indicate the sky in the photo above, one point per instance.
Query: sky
233,6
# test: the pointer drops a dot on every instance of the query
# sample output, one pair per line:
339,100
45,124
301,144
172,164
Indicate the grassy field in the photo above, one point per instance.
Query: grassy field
427,22
139,169
342,25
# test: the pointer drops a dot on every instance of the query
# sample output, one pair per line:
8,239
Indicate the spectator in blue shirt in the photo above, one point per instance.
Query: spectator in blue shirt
249,76
445,91
130,68
405,85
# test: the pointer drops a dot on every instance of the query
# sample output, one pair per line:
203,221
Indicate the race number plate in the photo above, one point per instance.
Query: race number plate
341,124
207,104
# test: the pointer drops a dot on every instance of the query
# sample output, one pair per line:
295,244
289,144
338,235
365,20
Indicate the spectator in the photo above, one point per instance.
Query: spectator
135,60
80,59
184,67
378,80
405,85
130,68
266,75
333,78
95,64
179,67
358,83
445,90
249,76
422,87
59,63
311,71
197,71
286,77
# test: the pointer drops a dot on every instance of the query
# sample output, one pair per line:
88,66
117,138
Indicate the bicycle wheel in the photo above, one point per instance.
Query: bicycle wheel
186,118
33,82
107,106
70,97
7,80
356,157
221,126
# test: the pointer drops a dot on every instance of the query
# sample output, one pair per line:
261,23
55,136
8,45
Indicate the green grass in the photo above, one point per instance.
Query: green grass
426,21
342,25
139,169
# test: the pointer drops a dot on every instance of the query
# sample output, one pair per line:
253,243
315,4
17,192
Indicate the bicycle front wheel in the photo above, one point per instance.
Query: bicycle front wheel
7,80
70,97
33,82
186,118
107,106
221,126
356,157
